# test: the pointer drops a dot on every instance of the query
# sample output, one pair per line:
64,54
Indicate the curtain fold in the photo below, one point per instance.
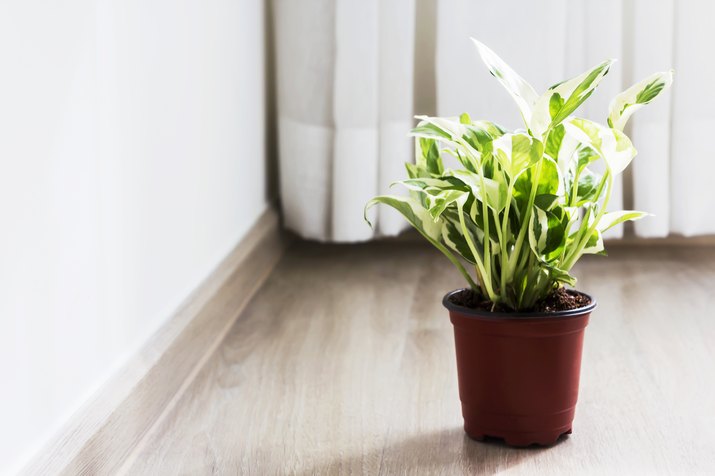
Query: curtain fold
345,80
692,165
354,61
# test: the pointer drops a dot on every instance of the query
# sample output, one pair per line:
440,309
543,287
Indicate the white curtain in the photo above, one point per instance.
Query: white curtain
344,78
549,40
345,84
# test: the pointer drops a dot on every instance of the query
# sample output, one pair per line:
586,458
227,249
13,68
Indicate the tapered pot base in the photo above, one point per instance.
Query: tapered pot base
517,430
516,439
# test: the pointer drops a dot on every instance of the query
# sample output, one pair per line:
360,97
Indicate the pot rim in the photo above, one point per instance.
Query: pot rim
481,314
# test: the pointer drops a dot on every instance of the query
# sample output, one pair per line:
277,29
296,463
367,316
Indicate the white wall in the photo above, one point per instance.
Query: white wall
132,152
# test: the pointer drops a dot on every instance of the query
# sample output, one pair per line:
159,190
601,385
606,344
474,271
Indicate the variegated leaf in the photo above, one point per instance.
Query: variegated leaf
637,96
453,237
594,245
562,99
413,211
559,275
517,152
547,232
611,219
438,128
521,91
612,145
430,184
427,155
494,192
439,202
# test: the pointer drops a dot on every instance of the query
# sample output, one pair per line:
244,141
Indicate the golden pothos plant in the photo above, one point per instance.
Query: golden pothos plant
525,205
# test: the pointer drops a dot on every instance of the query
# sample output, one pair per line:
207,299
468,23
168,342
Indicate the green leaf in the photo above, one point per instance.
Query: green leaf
431,185
492,128
637,96
427,155
556,103
553,142
587,188
547,232
438,128
420,219
453,237
413,211
516,152
494,192
429,131
570,94
613,146
521,91
549,182
415,171
559,275
439,202
480,136
594,245
611,219
548,187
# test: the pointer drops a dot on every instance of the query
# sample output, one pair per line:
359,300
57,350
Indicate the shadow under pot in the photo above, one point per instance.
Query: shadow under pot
518,372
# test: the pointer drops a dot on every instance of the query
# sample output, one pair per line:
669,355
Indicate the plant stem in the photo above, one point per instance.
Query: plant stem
583,240
485,278
485,214
504,251
527,219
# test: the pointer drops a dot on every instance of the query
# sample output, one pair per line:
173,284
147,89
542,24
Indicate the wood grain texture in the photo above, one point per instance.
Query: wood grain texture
102,435
343,363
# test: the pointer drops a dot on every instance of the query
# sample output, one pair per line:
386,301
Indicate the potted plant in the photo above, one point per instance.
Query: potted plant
521,210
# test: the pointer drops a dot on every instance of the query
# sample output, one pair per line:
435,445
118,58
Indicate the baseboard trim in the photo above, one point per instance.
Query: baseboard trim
105,433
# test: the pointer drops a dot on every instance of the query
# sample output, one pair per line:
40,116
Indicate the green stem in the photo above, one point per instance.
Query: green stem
527,219
504,251
485,278
583,240
484,269
485,214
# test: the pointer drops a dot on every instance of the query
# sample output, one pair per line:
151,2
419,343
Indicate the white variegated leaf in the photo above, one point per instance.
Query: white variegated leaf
427,184
612,145
637,96
611,219
594,245
565,158
521,91
517,152
539,223
562,99
412,209
439,202
495,192
449,125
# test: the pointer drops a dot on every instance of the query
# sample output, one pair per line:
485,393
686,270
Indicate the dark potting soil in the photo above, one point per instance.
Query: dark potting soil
560,299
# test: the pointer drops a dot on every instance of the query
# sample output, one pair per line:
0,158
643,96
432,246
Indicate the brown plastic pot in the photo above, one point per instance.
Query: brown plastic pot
518,372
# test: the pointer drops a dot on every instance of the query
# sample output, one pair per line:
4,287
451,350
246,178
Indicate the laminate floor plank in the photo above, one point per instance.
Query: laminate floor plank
343,363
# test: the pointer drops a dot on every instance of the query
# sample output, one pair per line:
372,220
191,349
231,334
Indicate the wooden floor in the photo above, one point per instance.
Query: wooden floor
343,363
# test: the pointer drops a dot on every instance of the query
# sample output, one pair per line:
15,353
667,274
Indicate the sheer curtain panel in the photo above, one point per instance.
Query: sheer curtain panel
345,97
344,79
